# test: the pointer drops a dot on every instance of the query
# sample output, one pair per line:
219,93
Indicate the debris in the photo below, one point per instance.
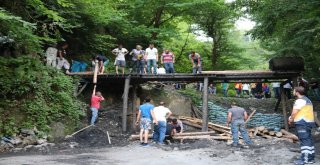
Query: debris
108,137
69,136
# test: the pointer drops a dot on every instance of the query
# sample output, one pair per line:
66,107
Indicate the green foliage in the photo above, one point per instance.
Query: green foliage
40,94
288,28
19,30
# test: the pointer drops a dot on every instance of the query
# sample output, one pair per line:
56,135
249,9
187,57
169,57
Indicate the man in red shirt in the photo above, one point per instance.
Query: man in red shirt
95,104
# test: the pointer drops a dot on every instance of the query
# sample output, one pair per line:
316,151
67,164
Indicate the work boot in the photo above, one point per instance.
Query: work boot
301,162
234,145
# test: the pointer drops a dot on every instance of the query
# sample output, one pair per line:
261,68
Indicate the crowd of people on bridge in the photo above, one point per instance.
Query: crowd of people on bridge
148,61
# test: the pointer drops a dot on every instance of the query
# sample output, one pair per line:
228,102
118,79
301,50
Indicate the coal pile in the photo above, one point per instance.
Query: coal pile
108,122
92,137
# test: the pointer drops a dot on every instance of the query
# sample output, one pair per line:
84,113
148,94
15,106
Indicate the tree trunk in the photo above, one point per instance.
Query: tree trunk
157,22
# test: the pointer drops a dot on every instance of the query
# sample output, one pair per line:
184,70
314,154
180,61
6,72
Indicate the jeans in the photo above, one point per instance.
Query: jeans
306,142
159,132
152,62
276,91
212,90
195,69
135,66
235,128
141,65
94,115
169,67
245,92
225,92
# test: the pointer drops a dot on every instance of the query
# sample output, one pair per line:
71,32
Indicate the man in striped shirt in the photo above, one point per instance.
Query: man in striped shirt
167,58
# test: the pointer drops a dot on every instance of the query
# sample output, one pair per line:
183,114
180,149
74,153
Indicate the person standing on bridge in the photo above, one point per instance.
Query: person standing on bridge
120,52
167,58
152,58
196,62
95,104
237,117
138,61
145,117
303,118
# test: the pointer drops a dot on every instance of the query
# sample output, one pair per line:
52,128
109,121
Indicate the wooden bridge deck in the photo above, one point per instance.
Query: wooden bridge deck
217,76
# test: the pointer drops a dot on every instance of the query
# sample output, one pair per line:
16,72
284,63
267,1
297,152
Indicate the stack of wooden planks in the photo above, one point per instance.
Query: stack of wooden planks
226,131
220,132
265,133
192,136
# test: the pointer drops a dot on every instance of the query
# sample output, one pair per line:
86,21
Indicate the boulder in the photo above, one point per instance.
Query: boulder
27,132
57,130
29,140
41,141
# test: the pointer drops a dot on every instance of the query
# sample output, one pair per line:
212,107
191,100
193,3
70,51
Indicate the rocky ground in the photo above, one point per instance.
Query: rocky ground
270,152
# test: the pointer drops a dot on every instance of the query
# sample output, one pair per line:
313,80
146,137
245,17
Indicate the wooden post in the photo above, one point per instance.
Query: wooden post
125,104
284,107
294,82
205,105
95,74
134,106
277,104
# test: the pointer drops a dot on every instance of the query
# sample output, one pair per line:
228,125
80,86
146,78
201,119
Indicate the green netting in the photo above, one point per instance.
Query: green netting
218,114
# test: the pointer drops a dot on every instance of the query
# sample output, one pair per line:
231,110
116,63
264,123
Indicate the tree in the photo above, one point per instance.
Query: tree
287,27
216,19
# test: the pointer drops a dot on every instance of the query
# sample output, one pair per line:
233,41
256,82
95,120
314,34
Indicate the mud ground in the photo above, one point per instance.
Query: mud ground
270,152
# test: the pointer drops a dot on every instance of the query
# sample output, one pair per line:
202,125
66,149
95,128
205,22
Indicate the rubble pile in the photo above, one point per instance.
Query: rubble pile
26,139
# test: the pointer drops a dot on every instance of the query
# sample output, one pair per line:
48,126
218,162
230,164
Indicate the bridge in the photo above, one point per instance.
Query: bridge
205,77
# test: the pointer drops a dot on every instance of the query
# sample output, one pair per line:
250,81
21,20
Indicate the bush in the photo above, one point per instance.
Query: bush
33,95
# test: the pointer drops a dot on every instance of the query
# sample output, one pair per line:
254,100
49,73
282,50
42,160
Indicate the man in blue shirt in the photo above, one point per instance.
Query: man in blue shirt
146,115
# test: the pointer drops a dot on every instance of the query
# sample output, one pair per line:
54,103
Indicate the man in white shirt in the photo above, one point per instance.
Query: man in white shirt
120,52
276,89
152,58
245,89
287,88
161,114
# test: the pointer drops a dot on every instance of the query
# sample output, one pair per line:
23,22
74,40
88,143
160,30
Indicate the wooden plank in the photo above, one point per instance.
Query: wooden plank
284,108
254,111
134,106
261,128
95,75
195,133
272,133
205,118
68,136
125,104
82,88
289,134
195,120
136,137
278,134
202,137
